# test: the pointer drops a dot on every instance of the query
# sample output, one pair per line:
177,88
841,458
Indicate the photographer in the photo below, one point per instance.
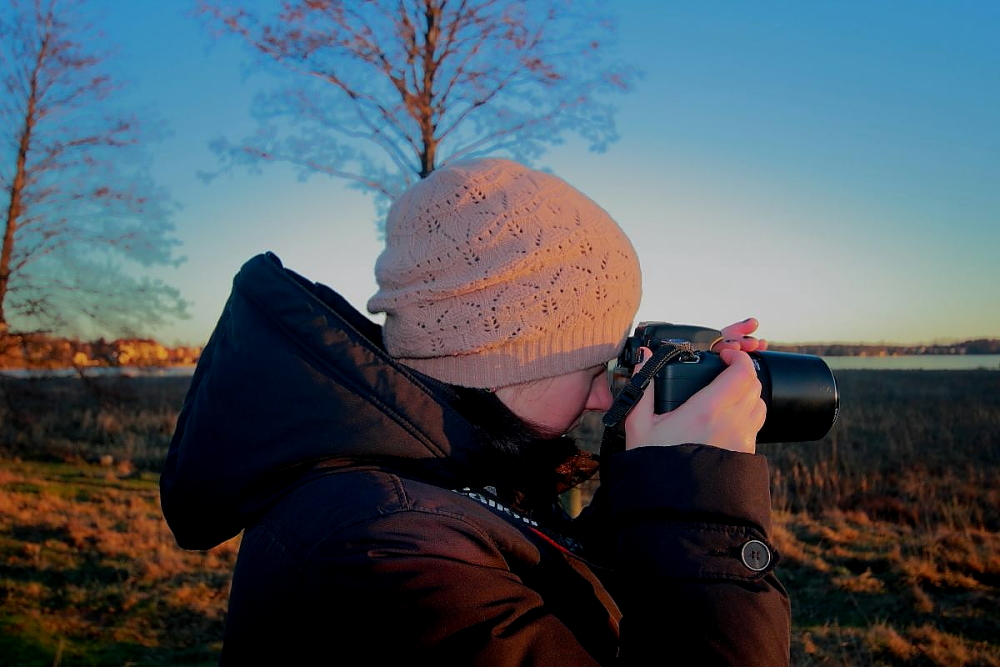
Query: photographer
396,485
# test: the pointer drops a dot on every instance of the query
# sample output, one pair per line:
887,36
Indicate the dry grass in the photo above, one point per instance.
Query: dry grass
68,419
921,448
870,592
91,573
889,528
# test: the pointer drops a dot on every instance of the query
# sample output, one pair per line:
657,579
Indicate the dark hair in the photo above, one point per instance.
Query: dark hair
531,466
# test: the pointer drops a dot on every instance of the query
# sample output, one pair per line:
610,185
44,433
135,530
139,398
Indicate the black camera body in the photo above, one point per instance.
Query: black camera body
800,390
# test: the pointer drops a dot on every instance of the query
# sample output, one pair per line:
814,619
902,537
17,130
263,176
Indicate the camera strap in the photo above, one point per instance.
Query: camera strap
637,384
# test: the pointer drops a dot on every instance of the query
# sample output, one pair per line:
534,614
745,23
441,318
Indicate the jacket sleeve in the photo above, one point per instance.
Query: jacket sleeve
693,560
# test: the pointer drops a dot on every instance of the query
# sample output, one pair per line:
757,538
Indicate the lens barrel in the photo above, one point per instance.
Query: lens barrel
801,395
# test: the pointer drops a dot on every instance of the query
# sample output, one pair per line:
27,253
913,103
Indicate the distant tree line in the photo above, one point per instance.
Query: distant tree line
976,346
41,351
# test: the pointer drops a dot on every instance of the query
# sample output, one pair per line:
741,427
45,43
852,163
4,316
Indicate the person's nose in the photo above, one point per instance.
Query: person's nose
600,394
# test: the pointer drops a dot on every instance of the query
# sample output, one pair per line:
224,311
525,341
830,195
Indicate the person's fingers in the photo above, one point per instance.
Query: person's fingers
737,337
754,412
747,411
735,381
759,414
728,344
750,403
740,329
736,358
751,344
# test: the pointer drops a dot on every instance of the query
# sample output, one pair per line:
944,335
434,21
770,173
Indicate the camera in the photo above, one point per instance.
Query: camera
800,390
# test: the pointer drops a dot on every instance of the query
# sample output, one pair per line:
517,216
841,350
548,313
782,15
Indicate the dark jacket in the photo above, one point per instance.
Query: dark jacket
370,528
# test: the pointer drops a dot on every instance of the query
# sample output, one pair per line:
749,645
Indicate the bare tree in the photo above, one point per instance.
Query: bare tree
423,82
74,186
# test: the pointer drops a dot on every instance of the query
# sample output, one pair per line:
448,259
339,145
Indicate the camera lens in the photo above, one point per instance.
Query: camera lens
801,395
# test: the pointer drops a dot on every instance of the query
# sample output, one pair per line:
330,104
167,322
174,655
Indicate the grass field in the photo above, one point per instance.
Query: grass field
889,528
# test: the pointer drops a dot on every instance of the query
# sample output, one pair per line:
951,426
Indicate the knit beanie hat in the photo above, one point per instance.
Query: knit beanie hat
494,274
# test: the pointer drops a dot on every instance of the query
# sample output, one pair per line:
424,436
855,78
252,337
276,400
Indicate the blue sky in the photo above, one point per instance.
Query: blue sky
832,168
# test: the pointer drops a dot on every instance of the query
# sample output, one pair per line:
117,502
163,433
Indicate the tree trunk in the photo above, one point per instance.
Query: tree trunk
428,142
15,206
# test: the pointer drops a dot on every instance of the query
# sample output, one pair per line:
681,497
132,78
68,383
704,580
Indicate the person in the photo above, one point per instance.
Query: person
396,485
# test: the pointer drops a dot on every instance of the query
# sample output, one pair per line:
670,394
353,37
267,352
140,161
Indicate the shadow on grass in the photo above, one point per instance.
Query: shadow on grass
848,577
23,644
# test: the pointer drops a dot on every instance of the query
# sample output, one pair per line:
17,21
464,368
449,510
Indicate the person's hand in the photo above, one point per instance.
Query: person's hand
727,413
737,337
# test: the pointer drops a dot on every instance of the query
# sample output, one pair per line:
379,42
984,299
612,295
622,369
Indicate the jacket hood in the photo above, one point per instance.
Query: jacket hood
293,375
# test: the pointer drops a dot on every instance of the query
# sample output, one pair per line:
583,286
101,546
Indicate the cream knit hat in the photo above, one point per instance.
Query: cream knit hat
494,274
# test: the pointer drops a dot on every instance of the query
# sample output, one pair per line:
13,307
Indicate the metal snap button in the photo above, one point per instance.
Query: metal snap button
756,556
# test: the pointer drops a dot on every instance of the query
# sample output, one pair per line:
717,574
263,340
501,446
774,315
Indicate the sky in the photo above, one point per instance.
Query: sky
831,168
